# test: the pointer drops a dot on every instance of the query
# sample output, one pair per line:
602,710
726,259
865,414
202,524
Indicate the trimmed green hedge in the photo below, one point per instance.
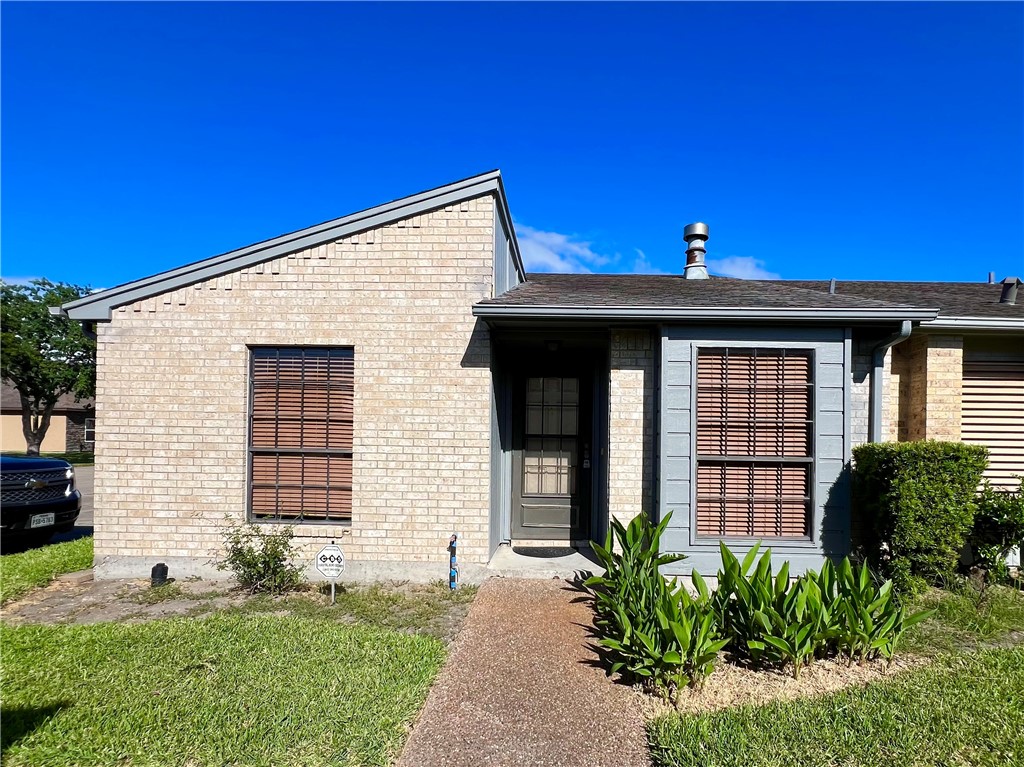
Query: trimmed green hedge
998,528
916,502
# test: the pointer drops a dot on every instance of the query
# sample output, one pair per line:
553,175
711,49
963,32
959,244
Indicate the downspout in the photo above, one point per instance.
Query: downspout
877,368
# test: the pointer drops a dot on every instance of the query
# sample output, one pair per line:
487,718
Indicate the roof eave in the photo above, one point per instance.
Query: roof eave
97,307
661,314
976,323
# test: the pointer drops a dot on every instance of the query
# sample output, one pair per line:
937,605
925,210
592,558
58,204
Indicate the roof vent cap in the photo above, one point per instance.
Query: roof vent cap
1009,294
695,235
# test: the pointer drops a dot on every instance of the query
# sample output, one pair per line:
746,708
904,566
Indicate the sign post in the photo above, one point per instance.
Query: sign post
330,563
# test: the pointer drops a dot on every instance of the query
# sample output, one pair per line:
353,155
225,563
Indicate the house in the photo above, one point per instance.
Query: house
393,377
72,425
959,376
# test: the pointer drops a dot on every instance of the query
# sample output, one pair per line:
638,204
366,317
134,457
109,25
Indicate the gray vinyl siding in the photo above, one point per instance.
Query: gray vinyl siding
506,276
830,502
501,462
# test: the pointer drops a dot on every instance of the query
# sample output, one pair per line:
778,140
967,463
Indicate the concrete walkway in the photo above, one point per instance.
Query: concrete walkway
519,689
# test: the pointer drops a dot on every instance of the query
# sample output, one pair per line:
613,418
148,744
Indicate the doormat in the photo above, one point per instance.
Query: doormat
544,552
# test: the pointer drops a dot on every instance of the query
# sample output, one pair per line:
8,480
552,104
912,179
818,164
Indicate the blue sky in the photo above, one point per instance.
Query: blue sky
857,141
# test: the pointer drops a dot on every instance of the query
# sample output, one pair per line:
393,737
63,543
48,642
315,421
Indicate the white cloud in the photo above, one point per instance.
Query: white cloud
554,252
742,267
642,266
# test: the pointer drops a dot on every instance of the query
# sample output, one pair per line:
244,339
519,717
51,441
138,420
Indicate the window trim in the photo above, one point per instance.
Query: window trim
813,539
250,451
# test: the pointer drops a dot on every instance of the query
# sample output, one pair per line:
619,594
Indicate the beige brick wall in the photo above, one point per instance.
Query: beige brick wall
945,387
930,371
631,424
172,393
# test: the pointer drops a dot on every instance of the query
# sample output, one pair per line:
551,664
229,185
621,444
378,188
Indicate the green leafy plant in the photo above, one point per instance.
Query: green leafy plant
998,528
654,630
870,621
769,619
261,560
917,501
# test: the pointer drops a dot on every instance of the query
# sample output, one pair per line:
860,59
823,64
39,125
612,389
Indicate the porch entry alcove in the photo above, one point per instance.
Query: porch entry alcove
550,440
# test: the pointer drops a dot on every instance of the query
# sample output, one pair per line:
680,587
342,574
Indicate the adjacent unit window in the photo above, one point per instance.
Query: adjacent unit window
300,431
754,442
90,430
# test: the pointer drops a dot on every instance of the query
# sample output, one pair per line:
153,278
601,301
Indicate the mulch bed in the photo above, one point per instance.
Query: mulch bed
733,685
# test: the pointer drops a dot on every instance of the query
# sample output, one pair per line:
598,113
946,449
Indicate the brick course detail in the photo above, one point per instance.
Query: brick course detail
172,393
631,424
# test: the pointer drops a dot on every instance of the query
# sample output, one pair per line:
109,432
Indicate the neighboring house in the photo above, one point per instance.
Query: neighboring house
961,375
392,377
72,426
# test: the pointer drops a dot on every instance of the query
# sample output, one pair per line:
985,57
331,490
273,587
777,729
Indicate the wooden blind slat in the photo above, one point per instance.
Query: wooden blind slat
302,400
753,403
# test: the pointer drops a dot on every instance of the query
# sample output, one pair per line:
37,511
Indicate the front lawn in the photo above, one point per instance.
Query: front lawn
963,710
19,573
231,688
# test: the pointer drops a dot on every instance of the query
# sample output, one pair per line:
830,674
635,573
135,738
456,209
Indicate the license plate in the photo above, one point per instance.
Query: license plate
41,520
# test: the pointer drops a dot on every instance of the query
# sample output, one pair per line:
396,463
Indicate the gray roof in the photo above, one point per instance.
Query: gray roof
97,306
953,299
672,296
10,399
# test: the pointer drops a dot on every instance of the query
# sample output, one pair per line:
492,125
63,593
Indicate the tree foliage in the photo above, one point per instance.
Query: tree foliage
44,356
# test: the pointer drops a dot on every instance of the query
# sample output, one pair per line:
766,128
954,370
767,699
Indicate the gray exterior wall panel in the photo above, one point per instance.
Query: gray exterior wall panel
830,482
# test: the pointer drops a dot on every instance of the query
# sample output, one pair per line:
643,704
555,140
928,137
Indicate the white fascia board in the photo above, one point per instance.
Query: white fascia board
662,313
975,323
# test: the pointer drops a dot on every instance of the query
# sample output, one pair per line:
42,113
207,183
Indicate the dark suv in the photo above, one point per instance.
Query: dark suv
38,498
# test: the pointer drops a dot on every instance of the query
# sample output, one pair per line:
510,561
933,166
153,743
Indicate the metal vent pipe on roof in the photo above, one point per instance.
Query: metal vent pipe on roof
695,235
1009,294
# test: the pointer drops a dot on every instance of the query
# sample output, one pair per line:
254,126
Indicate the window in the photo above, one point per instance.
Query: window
754,442
90,430
300,443
552,413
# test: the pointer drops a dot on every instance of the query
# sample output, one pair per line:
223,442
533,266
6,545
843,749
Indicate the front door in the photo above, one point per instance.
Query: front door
552,413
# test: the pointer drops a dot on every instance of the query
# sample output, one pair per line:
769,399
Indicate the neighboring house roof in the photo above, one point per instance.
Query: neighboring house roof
961,304
643,296
11,400
97,306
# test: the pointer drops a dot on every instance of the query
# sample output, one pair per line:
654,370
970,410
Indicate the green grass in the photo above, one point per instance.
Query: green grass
156,594
77,458
20,573
963,710
965,617
419,608
231,689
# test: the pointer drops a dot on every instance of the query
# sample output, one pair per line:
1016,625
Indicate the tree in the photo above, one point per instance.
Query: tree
44,356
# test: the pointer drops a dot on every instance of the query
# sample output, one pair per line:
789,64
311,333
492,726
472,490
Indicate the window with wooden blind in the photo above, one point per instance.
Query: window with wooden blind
755,442
300,444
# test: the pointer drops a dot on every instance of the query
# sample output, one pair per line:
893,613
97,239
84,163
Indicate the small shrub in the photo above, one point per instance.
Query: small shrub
917,503
869,620
998,528
769,619
654,630
261,560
